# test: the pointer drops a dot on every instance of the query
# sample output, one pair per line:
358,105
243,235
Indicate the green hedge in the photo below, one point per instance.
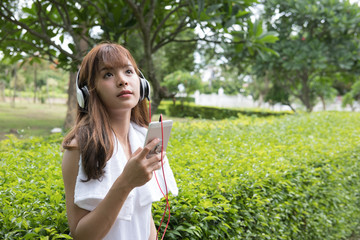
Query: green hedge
288,177
31,189
204,112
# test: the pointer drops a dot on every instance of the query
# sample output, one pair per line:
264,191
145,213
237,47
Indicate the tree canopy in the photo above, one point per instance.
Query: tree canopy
318,46
63,31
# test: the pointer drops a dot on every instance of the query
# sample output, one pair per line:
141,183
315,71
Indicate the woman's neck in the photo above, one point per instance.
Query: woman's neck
120,123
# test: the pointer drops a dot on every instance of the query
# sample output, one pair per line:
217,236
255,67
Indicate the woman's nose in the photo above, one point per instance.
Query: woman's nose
121,81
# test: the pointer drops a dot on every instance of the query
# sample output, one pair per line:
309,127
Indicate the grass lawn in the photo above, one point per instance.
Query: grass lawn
29,119
36,119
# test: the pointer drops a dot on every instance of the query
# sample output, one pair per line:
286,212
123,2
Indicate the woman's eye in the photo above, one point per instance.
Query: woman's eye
107,75
129,71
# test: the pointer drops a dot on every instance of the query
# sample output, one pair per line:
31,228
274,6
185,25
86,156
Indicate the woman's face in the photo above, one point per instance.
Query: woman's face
119,87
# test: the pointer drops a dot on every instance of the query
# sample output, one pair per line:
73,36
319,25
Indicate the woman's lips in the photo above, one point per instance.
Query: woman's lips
124,93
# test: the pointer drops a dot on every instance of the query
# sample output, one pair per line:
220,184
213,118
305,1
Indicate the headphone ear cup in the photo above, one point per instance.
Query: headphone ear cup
82,94
80,97
86,95
144,89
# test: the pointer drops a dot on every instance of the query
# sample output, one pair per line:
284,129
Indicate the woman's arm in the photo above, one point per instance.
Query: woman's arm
97,223
152,229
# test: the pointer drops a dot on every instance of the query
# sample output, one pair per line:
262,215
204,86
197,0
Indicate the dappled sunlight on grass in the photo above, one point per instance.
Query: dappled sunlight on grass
28,119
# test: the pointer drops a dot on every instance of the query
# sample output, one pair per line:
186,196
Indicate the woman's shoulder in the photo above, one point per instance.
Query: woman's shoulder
70,144
70,163
73,143
71,153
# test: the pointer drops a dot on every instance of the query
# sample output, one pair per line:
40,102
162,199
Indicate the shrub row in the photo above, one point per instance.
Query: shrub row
204,112
31,189
288,177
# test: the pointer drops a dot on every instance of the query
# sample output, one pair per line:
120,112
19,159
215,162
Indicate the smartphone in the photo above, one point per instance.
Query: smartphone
154,131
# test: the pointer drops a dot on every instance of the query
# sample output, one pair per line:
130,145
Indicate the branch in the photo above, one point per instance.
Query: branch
67,22
170,37
195,40
161,24
68,25
41,36
206,40
139,16
40,17
136,11
55,24
31,44
150,15
49,58
93,5
8,33
102,16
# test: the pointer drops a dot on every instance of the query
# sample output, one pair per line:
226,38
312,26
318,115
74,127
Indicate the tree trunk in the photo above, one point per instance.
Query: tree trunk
260,100
15,82
71,103
47,93
306,101
323,103
157,94
291,107
2,90
352,107
306,93
35,80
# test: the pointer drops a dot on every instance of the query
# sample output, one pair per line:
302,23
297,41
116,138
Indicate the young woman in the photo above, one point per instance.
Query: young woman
108,175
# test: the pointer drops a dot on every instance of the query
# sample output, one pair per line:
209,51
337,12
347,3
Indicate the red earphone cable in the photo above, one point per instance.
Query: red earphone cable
166,189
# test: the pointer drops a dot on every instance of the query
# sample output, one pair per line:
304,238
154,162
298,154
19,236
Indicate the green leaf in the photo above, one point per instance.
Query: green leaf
61,38
267,38
210,218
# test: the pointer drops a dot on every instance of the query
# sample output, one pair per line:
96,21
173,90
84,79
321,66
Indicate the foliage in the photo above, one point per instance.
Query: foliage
37,80
293,177
244,53
229,80
32,194
352,95
318,43
167,58
204,112
29,30
190,82
290,177
33,30
5,73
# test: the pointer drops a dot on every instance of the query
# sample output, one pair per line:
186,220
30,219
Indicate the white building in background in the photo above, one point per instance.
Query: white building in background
219,99
235,101
239,101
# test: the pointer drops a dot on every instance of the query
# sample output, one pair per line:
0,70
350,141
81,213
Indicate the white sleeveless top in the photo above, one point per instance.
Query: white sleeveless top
133,221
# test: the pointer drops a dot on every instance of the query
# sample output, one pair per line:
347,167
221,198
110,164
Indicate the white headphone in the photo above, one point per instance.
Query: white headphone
83,94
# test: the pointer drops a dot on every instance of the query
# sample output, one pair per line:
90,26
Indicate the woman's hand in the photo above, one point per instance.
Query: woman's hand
140,167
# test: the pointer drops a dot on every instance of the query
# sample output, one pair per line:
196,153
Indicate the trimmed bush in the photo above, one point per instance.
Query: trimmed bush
31,189
204,112
288,177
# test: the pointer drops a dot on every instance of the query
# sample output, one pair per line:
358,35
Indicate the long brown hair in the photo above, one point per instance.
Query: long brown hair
93,131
